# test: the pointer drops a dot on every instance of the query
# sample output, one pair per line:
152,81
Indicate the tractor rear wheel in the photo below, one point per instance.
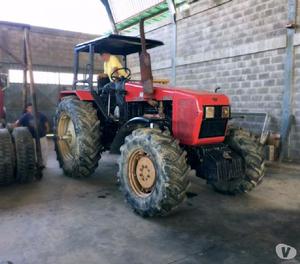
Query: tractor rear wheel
25,153
7,158
78,137
250,149
153,172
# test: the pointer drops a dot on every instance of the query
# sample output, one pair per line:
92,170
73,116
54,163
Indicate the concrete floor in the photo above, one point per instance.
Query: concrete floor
61,220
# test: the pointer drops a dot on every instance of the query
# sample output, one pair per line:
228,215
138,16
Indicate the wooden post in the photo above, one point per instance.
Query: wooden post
34,103
25,88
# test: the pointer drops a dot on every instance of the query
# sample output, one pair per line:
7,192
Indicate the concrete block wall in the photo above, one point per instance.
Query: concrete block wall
47,98
253,82
238,45
52,49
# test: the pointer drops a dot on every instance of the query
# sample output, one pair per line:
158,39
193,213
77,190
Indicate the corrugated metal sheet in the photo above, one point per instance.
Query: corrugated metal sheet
125,9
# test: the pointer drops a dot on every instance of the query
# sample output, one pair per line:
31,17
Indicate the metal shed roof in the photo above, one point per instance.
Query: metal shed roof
128,13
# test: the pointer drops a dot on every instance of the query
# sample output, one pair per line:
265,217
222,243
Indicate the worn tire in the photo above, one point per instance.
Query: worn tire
7,158
84,117
26,168
249,148
171,169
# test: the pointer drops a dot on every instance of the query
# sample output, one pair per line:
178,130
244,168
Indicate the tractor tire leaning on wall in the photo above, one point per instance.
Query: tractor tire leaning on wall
7,158
26,168
167,164
250,149
79,156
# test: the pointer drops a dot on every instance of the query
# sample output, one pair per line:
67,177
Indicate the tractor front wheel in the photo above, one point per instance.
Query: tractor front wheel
153,172
77,137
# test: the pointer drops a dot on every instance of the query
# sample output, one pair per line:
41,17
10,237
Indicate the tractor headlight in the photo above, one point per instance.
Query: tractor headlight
209,112
225,112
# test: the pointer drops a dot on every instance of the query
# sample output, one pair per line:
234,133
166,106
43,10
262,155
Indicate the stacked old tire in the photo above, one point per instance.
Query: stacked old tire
17,156
7,158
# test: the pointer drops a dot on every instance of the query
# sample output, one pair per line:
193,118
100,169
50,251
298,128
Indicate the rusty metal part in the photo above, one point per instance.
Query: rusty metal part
145,64
159,106
161,110
152,102
141,173
291,25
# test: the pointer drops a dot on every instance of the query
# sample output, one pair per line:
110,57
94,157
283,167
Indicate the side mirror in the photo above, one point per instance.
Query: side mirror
3,81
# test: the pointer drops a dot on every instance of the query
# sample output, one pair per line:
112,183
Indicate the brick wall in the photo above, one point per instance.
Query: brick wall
238,45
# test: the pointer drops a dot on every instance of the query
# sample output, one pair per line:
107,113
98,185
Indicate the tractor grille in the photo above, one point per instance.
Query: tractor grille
213,128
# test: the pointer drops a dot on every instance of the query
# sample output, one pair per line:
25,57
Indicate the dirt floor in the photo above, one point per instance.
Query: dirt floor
61,220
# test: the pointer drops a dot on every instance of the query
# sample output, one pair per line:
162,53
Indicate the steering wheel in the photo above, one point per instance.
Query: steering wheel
116,78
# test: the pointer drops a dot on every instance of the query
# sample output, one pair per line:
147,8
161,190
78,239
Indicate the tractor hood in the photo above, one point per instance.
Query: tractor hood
161,92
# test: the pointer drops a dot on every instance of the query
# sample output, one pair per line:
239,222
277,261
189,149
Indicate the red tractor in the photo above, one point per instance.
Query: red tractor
161,132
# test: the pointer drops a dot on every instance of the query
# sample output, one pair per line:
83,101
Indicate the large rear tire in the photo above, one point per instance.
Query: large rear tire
153,172
250,149
26,170
78,137
7,158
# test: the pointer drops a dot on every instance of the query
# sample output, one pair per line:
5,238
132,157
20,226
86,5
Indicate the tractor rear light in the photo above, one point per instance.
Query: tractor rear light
209,112
225,112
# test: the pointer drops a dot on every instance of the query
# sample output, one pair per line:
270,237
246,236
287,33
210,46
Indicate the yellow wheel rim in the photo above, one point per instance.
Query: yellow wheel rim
66,135
141,173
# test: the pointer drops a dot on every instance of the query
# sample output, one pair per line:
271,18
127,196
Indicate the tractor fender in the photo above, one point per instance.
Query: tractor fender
128,128
138,120
82,95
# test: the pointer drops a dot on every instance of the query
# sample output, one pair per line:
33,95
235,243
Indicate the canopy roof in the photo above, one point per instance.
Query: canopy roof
117,45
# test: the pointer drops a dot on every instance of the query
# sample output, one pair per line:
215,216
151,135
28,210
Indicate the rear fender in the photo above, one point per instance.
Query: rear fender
83,95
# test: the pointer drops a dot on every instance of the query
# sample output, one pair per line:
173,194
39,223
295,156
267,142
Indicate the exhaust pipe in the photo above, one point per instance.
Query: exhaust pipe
145,64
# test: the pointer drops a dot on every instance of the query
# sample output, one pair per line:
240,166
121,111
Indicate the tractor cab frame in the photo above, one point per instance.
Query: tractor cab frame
112,97
113,44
